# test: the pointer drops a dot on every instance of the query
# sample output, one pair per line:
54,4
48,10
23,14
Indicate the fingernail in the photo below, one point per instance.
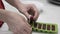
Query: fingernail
31,18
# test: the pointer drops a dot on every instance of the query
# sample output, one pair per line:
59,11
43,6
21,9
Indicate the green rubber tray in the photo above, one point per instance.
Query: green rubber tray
44,27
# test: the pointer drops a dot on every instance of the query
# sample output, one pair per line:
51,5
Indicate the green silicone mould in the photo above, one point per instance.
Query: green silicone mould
44,27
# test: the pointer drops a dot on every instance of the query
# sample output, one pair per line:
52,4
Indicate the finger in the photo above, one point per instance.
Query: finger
27,15
28,28
28,32
25,31
36,13
25,21
28,24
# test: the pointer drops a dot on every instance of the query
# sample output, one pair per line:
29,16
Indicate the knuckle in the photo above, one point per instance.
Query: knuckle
30,29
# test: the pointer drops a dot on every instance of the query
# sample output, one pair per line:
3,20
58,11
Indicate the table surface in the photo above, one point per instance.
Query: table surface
50,14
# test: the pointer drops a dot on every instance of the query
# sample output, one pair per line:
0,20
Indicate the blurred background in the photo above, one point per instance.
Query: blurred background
50,14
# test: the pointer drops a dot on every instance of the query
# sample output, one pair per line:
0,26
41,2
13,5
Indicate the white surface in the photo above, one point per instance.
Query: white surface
51,14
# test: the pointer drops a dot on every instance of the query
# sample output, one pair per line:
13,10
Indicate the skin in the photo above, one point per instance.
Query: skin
24,8
17,24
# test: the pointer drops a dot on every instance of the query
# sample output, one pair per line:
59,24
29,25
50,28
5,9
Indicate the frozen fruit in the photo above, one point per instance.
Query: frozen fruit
39,26
44,26
48,27
53,27
35,25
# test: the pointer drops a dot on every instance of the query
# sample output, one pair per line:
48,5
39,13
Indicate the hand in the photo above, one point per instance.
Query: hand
29,9
16,23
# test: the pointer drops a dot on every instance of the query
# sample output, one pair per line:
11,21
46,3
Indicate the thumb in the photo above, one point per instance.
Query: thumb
27,15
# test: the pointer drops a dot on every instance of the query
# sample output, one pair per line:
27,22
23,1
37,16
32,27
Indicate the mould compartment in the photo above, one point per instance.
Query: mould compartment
39,26
53,27
35,25
44,27
48,27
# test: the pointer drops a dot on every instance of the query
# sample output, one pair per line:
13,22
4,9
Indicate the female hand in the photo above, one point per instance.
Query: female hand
29,9
16,23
